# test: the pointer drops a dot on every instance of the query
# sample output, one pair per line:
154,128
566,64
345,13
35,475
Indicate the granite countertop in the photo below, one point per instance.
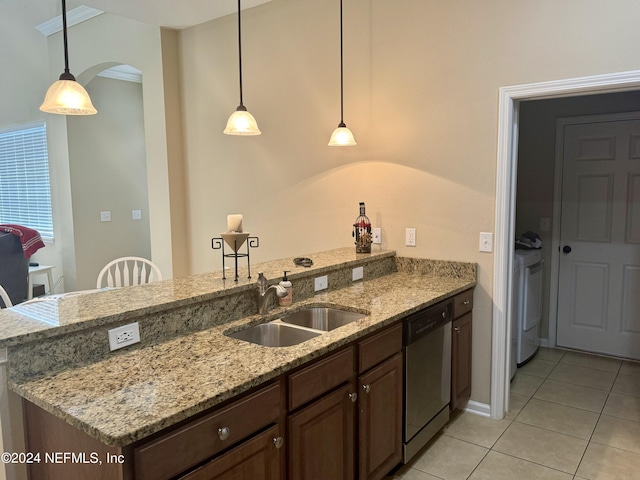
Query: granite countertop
127,397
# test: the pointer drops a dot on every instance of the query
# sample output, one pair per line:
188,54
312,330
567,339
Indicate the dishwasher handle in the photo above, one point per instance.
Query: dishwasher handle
421,323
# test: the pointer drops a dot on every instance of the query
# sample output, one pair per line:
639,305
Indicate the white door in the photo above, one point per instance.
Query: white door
599,277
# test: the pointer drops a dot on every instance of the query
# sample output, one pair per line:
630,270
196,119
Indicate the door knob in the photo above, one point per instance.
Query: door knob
566,249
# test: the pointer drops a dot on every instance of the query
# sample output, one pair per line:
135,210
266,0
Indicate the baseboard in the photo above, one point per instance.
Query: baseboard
478,408
544,342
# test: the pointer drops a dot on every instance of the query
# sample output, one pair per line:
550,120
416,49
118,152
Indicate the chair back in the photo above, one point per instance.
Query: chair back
128,271
4,296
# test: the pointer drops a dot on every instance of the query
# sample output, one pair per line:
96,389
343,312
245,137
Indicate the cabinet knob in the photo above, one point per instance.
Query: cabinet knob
444,314
353,397
278,442
466,302
456,329
223,433
366,388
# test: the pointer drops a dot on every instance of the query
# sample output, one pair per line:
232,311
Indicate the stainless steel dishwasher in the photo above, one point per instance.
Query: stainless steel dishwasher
427,375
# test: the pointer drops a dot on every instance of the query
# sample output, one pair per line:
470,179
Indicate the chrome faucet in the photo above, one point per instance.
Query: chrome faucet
263,290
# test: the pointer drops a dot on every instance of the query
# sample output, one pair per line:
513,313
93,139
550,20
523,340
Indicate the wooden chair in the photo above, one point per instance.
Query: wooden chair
4,296
129,271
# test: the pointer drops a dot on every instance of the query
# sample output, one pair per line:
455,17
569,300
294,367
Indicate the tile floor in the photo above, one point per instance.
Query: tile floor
573,416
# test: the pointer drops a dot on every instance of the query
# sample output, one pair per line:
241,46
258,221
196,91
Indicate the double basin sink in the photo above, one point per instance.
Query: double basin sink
297,327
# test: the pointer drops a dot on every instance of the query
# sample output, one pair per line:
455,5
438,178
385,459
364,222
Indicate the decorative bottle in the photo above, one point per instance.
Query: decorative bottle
362,232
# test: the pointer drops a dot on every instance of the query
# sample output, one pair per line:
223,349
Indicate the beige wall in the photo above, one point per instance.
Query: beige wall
421,87
108,172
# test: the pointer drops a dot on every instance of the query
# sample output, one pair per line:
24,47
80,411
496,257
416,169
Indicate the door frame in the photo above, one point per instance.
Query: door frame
507,147
554,283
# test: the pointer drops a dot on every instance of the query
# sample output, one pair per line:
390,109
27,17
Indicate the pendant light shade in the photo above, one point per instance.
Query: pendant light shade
341,136
241,122
67,96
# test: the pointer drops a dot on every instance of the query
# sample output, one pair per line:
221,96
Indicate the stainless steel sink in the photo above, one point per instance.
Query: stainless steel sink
322,318
274,335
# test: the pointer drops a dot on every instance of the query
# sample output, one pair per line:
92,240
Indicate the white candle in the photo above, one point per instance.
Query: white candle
234,222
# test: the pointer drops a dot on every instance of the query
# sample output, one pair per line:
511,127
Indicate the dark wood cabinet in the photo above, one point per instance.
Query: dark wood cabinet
461,349
380,419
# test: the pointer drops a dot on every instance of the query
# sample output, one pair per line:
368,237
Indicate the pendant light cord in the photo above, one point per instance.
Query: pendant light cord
240,51
64,36
341,73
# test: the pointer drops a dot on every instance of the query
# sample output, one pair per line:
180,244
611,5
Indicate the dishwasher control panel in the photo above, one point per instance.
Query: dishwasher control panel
421,323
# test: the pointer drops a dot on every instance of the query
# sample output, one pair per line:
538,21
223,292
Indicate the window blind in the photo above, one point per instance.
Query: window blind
25,194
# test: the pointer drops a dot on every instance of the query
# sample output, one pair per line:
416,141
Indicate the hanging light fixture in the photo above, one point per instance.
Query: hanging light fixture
341,136
67,96
241,122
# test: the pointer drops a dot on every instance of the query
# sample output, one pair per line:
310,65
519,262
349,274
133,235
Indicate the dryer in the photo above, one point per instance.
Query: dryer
528,280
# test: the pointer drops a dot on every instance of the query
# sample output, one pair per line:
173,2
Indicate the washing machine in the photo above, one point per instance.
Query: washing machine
528,280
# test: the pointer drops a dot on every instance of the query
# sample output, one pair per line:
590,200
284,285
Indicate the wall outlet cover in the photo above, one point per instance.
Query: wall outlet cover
124,336
357,274
410,237
320,283
105,216
376,234
486,242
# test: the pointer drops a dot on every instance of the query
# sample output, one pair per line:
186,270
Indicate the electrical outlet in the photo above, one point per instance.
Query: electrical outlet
136,214
376,234
357,273
486,242
105,216
124,336
320,283
410,237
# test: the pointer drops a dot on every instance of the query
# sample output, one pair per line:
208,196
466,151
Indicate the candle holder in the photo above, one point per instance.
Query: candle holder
235,240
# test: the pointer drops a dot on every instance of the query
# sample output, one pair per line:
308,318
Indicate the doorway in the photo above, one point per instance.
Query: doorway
511,100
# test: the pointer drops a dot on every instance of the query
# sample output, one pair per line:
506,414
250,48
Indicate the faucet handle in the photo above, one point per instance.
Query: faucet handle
261,278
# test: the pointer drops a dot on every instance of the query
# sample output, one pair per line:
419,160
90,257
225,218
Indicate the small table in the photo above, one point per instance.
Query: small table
40,270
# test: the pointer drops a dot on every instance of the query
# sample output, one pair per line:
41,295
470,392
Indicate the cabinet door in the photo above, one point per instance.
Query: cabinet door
380,419
321,438
461,361
257,458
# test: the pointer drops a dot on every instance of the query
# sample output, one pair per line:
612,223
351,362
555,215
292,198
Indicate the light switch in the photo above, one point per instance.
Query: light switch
136,214
105,216
486,242
410,237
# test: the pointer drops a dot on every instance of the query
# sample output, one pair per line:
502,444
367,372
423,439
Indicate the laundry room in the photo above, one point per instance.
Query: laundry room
551,228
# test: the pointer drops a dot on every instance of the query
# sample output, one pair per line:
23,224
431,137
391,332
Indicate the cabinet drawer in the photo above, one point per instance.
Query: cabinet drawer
379,347
322,376
462,303
194,442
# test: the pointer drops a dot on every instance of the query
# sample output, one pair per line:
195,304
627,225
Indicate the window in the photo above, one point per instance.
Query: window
25,195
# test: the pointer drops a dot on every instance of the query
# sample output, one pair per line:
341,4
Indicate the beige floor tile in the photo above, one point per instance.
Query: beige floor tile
592,361
550,354
623,406
587,377
538,367
537,445
618,433
630,368
559,418
572,395
475,429
627,384
516,403
408,473
437,459
497,466
525,385
607,463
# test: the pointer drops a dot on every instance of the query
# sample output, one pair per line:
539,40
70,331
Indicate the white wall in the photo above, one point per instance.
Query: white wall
421,87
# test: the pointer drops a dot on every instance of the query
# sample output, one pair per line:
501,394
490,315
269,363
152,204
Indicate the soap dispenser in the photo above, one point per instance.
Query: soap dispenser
286,284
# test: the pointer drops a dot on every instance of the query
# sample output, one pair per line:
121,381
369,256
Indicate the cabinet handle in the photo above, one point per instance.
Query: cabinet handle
278,442
353,397
366,388
223,433
466,302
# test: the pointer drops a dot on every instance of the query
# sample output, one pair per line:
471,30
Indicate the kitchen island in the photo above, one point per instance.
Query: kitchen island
186,364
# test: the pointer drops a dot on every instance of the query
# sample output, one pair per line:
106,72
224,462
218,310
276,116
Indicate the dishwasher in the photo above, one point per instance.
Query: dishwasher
427,375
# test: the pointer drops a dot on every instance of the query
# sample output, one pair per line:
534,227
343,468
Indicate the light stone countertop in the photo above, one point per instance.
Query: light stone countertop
127,397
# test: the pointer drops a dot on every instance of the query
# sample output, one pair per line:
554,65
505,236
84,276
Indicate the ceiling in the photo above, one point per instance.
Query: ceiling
164,13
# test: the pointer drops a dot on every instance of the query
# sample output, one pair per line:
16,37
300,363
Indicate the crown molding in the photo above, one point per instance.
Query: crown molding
75,16
123,72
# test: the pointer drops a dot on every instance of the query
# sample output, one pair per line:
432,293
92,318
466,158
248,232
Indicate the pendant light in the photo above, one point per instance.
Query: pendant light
241,122
67,96
341,136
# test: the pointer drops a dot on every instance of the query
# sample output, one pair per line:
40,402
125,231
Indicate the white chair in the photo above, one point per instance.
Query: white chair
5,297
129,271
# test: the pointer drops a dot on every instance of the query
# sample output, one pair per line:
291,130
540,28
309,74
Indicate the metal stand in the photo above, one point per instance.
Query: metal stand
218,244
